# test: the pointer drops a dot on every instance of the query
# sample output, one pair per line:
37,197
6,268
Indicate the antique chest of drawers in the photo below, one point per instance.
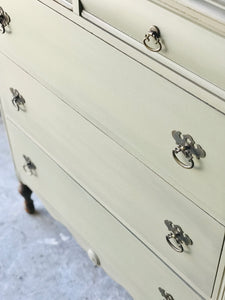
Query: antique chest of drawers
115,116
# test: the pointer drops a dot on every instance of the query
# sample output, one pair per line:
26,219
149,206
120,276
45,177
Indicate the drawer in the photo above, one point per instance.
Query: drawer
183,42
47,55
139,113
118,180
128,110
34,43
120,253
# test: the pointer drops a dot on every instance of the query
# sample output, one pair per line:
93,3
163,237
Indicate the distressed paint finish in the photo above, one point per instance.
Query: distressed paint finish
121,254
140,116
59,130
199,42
134,108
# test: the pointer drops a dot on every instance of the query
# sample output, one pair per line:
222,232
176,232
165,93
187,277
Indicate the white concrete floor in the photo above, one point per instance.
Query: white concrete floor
39,259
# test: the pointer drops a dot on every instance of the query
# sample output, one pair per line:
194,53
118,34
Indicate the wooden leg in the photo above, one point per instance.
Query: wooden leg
28,202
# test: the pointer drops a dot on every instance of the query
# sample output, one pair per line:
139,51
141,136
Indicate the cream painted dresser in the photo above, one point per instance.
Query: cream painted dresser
115,116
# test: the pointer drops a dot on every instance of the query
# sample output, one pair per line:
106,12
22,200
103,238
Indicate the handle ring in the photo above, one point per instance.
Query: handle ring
2,30
155,34
28,169
15,102
157,42
179,248
180,163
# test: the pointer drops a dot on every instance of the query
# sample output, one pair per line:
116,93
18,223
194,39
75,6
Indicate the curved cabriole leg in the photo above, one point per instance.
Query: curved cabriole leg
28,202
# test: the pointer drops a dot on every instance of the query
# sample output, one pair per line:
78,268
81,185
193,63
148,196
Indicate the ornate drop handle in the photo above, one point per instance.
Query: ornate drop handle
177,237
153,34
188,147
17,100
165,294
29,167
4,20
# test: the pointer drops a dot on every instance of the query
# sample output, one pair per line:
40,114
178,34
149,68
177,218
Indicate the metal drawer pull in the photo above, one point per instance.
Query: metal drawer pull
29,167
188,147
153,34
178,236
4,20
165,294
17,100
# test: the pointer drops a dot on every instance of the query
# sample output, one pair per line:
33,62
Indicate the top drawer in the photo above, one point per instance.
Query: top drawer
188,44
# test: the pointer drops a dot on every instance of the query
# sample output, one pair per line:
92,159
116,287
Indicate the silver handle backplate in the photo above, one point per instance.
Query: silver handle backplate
17,100
165,295
29,167
4,20
176,238
187,146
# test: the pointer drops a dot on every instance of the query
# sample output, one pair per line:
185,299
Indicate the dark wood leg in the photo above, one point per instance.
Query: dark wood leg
28,202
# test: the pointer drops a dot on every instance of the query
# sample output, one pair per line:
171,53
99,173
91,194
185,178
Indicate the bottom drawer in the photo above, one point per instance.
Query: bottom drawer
122,255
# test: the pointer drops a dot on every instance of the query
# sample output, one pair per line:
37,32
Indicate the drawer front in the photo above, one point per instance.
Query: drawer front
183,42
121,254
134,194
178,46
139,112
